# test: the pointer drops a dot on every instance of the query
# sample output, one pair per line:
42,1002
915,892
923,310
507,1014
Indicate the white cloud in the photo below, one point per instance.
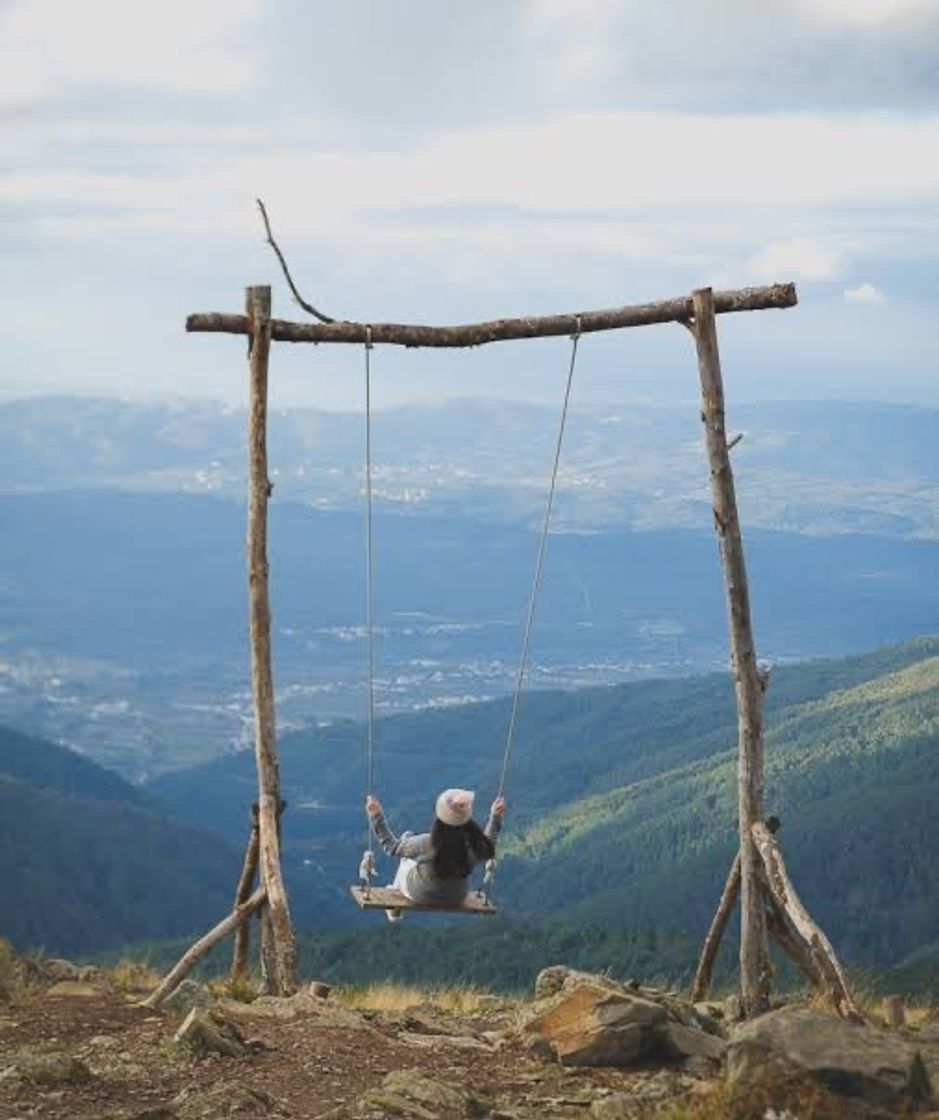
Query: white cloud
801,258
863,13
865,293
50,47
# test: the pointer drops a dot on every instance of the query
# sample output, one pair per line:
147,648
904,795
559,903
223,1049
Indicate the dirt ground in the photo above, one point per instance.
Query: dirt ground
314,1066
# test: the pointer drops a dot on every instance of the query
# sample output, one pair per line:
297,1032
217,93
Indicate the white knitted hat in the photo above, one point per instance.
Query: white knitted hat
455,806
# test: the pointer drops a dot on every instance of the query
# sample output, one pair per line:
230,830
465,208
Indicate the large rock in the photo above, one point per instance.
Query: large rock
208,1032
849,1059
46,1068
186,996
406,1092
593,1025
590,1020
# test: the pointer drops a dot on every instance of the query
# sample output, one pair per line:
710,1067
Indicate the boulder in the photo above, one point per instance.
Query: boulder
78,989
208,1032
56,968
46,1068
679,1041
188,995
849,1059
594,1025
406,1092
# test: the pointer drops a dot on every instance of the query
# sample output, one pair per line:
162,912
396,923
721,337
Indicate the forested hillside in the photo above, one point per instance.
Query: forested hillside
621,800
88,861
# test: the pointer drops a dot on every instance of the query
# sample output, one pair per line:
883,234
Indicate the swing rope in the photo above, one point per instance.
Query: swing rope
539,563
367,866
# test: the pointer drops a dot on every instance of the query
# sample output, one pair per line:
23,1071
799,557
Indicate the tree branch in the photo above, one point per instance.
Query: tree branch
283,264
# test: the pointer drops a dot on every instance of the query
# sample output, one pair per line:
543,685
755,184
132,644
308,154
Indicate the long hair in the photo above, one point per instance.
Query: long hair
454,845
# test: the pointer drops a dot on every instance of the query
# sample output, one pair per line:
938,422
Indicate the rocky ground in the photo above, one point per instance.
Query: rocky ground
71,1046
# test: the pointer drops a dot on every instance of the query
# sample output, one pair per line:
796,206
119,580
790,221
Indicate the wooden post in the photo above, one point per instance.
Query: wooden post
754,960
258,308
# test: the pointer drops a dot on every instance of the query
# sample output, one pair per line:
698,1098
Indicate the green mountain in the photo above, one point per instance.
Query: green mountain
622,800
93,862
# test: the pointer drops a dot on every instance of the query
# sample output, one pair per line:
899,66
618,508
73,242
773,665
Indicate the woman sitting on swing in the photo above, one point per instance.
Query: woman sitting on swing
435,866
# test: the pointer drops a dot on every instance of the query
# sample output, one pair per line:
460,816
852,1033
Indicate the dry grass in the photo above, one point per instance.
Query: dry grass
795,1099
243,989
10,974
132,978
402,997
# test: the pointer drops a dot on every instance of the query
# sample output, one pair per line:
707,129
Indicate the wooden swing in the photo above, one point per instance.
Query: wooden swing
366,896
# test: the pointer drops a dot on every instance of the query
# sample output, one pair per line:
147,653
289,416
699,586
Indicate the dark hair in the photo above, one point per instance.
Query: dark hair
453,846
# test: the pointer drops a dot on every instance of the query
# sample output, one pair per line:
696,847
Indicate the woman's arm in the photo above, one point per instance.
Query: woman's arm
407,846
496,818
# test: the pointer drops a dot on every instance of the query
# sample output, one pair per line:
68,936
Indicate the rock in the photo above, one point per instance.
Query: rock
408,1093
595,1025
46,1068
301,1005
733,1009
77,989
57,968
188,995
208,1032
223,1101
849,1059
646,1096
319,990
680,1041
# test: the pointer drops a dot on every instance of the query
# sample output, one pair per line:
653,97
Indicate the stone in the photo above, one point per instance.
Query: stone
733,1009
188,995
56,968
45,1068
851,1060
680,1041
208,1032
319,990
597,1025
76,989
225,1100
406,1092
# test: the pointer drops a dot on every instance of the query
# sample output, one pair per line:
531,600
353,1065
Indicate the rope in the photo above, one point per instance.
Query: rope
536,583
367,866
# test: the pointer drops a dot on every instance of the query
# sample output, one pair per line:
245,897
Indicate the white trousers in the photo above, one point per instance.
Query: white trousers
401,876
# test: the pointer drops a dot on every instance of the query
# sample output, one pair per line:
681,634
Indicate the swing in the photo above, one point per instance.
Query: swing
366,896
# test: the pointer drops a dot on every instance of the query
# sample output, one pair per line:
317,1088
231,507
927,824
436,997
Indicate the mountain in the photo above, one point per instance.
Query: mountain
123,615
93,862
804,467
622,800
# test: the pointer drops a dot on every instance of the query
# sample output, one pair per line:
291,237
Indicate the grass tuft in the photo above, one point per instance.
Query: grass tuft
388,996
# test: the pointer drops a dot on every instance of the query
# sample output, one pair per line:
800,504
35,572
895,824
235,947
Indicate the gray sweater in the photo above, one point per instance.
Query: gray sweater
423,883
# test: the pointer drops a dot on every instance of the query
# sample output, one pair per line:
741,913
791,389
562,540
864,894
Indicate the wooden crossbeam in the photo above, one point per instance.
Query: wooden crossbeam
678,310
386,898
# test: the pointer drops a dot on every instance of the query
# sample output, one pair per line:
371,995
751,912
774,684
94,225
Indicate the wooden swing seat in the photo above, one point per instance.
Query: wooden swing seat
386,898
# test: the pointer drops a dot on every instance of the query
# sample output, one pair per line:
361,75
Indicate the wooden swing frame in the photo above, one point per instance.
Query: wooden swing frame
768,902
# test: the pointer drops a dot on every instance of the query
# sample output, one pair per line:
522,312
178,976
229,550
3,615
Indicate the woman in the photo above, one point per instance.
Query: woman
435,866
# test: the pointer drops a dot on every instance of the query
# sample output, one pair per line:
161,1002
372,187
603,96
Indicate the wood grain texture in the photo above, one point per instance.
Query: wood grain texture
384,898
754,957
258,304
501,330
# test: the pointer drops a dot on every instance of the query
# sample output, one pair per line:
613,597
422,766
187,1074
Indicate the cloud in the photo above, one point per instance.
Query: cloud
800,259
50,48
864,13
865,293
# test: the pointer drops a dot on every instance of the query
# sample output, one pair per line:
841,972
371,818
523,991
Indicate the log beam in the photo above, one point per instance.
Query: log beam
258,305
196,952
817,944
754,957
500,330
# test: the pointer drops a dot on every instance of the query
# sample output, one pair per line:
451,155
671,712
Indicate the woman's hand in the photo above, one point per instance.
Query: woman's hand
372,806
497,809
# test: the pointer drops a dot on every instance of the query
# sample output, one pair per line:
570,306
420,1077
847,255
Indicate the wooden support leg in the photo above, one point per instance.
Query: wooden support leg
816,943
748,686
196,952
702,977
262,684
249,870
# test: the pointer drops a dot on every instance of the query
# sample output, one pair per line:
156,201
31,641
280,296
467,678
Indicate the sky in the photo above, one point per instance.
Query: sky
443,163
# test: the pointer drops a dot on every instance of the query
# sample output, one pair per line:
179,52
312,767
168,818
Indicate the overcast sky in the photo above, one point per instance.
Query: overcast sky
427,161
